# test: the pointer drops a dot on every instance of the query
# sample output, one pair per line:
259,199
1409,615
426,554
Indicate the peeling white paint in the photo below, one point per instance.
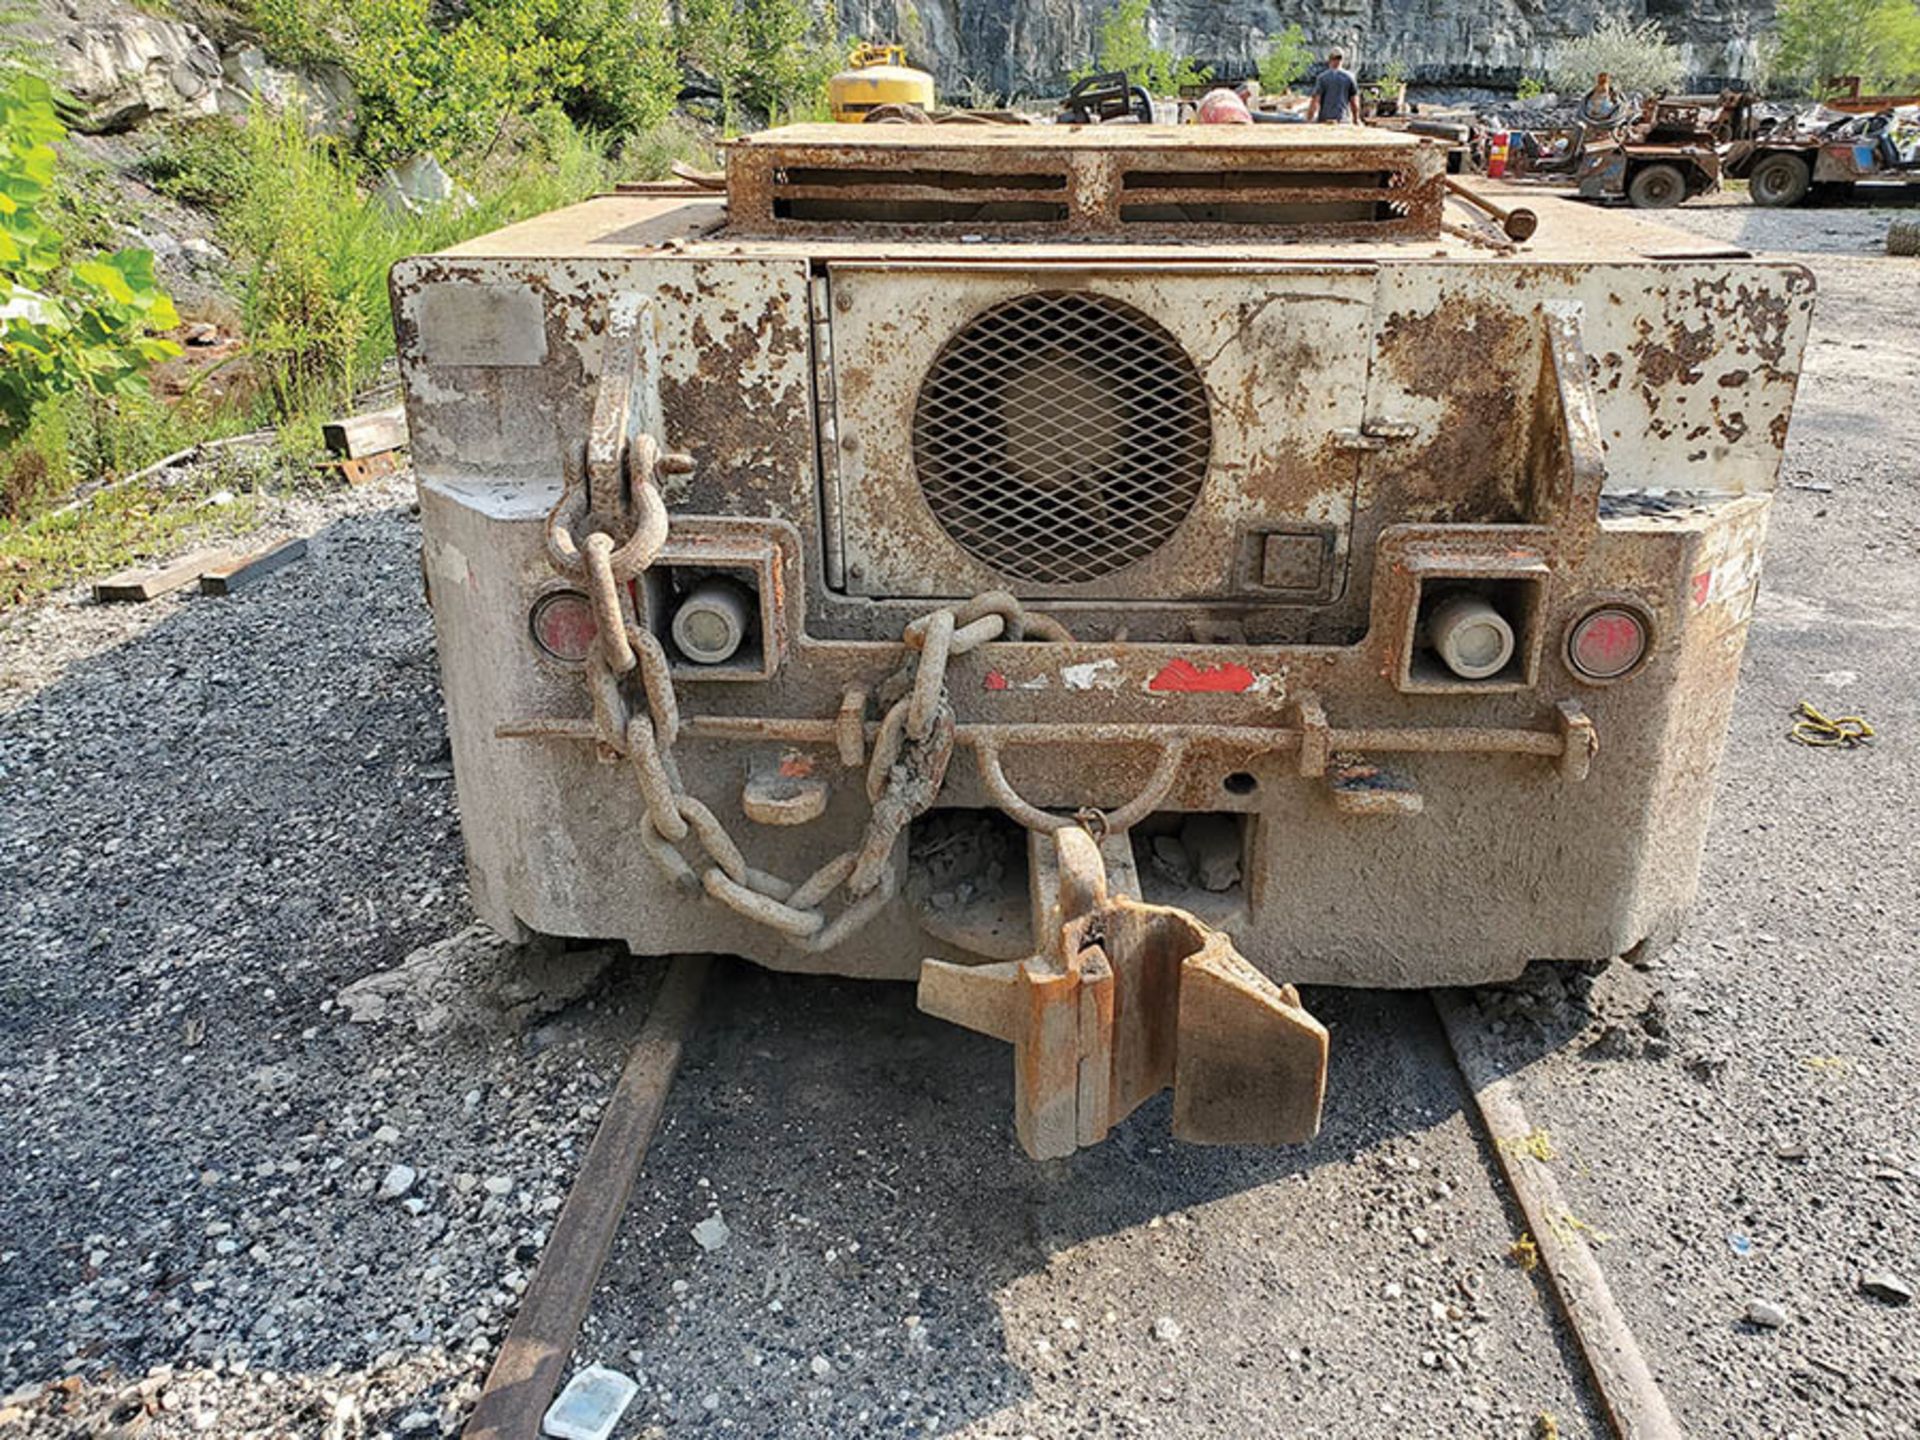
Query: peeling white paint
1094,675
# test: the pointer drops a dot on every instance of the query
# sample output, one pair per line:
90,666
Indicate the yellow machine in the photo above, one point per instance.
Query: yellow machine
877,75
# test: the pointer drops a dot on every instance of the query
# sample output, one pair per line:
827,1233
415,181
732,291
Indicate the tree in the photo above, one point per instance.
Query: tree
1287,59
1125,43
1878,40
1640,58
766,56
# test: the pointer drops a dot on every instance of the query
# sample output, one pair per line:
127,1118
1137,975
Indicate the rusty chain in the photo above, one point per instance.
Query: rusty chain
914,743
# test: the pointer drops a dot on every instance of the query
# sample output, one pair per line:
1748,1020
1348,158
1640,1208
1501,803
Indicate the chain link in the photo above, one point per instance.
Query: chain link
904,772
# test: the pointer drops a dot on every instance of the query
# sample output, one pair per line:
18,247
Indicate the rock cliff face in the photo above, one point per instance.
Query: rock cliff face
1030,46
125,66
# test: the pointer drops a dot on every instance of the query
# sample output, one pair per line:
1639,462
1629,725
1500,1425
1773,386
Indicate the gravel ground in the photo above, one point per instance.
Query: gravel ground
1853,229
231,1206
218,812
893,1267
1769,1151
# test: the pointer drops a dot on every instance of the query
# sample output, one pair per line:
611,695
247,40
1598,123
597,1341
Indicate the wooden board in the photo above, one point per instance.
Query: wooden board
359,436
236,572
371,467
151,582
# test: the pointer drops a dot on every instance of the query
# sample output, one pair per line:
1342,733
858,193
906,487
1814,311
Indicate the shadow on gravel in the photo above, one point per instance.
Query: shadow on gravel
862,1156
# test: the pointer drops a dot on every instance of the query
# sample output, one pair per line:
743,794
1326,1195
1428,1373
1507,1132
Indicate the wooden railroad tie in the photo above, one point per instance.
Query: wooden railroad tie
365,447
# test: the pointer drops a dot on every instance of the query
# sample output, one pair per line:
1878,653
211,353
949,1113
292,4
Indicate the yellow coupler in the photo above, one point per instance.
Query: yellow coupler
1129,999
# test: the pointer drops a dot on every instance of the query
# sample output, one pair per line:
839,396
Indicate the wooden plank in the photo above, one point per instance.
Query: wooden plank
151,582
359,436
372,467
527,1370
236,572
1632,1397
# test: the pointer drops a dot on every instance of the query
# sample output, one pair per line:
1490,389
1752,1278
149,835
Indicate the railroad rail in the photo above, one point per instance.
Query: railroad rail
532,1360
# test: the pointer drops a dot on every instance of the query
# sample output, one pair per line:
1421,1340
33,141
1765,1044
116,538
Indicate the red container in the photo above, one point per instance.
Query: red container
1497,154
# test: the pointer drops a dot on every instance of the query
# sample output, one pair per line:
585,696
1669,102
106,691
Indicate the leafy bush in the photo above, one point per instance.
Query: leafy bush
202,163
67,324
449,90
1124,43
1287,59
1878,40
1530,89
770,59
1640,58
296,31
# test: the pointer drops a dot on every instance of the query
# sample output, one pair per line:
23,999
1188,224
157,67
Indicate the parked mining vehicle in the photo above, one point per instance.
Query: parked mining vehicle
1108,573
1829,160
1669,155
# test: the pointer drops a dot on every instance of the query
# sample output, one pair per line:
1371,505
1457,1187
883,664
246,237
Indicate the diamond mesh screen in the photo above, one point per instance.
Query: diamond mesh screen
1061,436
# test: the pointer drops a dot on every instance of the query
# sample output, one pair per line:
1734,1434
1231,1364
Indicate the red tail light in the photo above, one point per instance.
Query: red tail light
563,625
1607,643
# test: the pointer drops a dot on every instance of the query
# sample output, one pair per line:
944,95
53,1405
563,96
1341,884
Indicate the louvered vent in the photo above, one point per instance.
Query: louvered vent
1061,436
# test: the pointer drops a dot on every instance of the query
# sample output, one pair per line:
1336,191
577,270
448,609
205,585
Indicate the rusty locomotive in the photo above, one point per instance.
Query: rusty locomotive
1108,574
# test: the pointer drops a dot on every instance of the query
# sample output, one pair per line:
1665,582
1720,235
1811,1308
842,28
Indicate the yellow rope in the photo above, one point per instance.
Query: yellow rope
1810,727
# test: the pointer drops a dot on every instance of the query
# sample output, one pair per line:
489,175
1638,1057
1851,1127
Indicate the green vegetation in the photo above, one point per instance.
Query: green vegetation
1531,89
1640,58
609,64
318,248
1878,40
314,246
1393,79
71,323
1123,43
121,526
769,58
1287,60
531,104
612,66
201,163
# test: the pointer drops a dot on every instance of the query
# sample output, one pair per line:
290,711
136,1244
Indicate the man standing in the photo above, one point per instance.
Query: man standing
1336,95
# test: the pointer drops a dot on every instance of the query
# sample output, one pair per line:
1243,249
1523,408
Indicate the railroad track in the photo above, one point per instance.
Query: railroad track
532,1360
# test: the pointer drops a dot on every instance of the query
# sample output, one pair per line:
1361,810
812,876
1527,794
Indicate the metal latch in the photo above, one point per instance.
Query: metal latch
1125,999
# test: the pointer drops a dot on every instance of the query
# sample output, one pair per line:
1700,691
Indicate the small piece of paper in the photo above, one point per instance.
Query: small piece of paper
590,1406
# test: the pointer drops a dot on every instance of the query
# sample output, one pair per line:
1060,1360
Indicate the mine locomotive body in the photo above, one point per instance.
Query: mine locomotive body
1105,573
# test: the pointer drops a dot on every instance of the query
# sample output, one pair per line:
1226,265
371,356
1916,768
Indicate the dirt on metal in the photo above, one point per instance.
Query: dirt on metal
1134,463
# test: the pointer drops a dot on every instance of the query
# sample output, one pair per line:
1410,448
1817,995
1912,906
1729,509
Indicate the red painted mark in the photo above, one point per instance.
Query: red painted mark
1184,677
1702,584
995,681
796,767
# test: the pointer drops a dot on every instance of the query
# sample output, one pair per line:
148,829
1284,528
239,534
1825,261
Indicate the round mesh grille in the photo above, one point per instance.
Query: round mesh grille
1061,436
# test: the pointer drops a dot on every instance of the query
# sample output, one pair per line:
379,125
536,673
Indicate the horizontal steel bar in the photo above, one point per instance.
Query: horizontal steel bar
1266,739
